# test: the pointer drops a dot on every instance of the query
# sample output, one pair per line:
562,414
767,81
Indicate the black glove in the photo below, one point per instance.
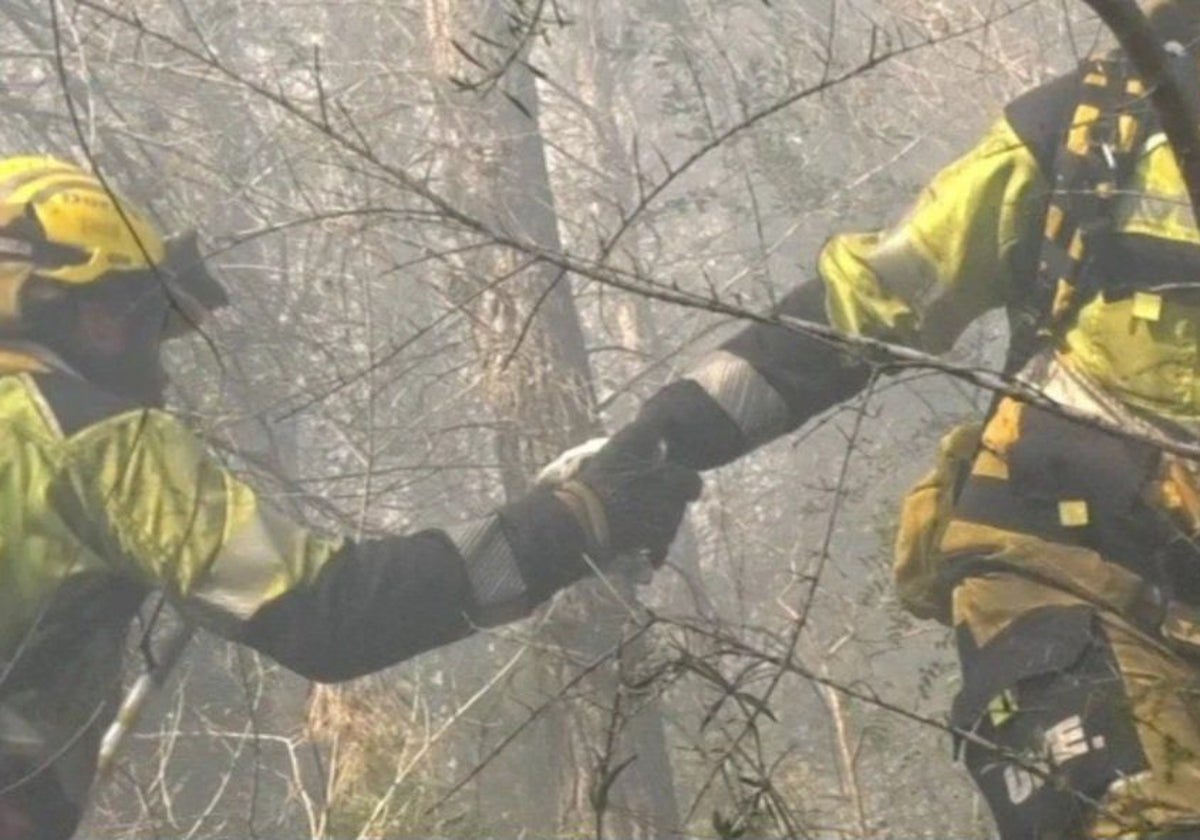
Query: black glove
629,497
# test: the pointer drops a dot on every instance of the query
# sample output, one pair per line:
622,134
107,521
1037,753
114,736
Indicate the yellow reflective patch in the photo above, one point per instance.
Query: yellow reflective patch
1126,132
1180,625
1054,220
1004,428
1079,138
12,278
1063,293
1134,87
1177,492
1075,250
1096,78
1002,707
990,465
1073,513
1147,306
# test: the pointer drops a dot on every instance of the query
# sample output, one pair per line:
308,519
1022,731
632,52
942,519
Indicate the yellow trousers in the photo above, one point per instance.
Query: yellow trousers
1075,722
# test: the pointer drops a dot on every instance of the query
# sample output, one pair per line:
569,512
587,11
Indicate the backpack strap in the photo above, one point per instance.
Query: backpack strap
1039,116
1109,123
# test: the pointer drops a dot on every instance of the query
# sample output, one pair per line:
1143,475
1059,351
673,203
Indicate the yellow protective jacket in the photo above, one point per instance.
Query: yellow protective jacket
955,255
102,501
970,243
1052,548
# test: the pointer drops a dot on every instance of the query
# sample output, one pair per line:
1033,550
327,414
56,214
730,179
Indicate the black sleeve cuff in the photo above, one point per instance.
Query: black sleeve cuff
698,432
547,542
808,374
374,604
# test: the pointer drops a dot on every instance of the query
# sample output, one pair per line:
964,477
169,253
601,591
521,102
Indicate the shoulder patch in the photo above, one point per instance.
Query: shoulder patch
76,404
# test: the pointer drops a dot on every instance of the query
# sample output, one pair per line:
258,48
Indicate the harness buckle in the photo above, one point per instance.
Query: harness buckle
1110,159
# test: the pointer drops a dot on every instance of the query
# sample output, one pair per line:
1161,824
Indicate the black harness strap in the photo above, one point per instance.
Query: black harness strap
1110,122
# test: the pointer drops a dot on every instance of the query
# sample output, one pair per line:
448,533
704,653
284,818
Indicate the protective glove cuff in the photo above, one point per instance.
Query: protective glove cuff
548,540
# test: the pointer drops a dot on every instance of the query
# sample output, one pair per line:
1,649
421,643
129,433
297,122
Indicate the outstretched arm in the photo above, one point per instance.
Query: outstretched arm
139,490
921,282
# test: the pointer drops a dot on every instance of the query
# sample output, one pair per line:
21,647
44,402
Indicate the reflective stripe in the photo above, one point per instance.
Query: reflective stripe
492,568
29,170
904,271
1075,389
18,737
744,394
11,247
251,568
51,183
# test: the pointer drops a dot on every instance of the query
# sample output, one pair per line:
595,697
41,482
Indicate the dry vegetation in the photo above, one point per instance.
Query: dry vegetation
431,213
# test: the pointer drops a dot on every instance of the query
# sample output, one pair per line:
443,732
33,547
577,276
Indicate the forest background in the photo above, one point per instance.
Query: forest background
457,233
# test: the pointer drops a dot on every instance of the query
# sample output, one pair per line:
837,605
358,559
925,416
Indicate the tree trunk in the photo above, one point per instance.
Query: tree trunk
538,385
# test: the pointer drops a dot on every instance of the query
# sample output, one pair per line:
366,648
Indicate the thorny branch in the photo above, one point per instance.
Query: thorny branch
884,354
814,581
885,357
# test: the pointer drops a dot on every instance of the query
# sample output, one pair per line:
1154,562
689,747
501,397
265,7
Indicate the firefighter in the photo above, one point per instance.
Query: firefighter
106,497
1063,556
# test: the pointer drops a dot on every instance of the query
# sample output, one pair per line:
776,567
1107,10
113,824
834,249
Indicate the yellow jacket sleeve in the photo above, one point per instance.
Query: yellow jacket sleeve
140,490
147,495
950,258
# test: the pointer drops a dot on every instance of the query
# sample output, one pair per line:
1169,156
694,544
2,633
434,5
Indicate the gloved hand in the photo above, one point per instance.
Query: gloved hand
628,497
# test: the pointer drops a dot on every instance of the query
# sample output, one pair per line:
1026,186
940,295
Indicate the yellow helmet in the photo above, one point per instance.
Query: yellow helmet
69,213
60,223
